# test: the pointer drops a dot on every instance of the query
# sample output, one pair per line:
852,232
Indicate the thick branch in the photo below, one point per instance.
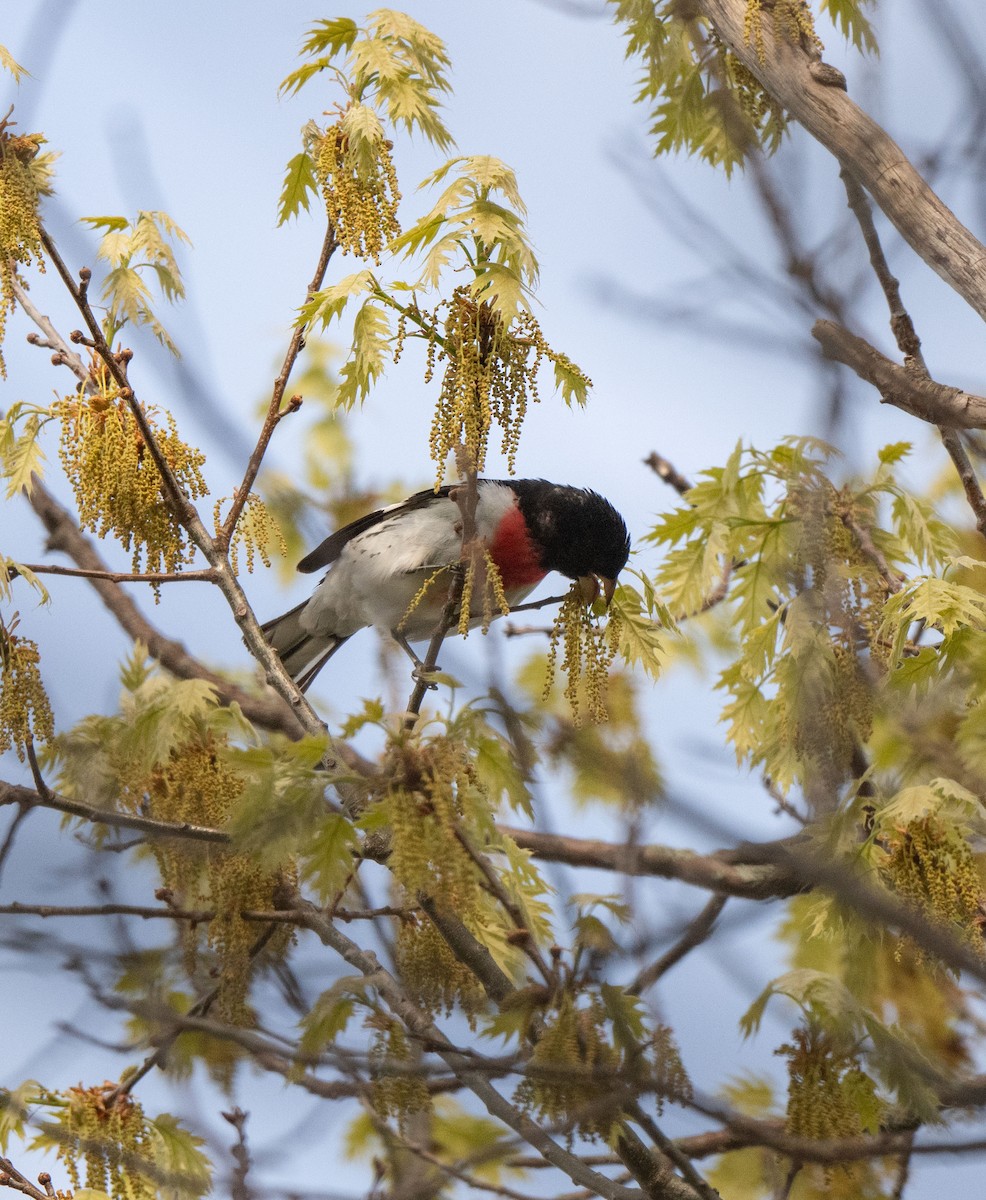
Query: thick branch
752,880
934,402
928,226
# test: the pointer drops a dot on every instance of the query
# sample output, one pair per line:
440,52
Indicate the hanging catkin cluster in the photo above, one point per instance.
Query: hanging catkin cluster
827,1087
932,867
431,788
590,648
572,1067
197,786
21,187
118,487
826,699
398,1089
107,1133
359,185
490,377
25,712
256,532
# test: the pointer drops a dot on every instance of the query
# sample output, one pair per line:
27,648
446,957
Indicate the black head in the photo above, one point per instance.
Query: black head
579,532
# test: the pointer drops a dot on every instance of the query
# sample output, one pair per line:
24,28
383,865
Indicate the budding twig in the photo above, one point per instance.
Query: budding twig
275,413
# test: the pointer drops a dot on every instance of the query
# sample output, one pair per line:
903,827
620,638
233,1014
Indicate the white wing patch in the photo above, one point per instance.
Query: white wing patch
380,571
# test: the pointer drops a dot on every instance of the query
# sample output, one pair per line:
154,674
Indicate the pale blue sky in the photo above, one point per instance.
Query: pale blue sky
175,107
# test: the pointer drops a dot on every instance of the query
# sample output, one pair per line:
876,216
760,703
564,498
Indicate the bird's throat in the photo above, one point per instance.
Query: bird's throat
514,552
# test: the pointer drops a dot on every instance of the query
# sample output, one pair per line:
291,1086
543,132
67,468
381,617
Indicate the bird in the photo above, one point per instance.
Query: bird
379,563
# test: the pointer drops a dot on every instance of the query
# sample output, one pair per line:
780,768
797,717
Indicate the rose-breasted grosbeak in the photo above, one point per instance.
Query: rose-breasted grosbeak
379,562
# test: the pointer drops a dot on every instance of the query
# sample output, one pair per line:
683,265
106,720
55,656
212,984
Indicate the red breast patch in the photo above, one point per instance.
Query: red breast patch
514,552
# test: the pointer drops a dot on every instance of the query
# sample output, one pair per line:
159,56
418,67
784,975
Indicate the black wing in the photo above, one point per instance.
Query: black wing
328,551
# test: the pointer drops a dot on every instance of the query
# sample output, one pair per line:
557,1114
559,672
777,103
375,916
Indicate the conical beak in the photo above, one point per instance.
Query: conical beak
609,587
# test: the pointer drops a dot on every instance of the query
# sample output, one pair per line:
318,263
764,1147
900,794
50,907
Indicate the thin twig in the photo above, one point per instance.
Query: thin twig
900,319
15,824
12,793
903,1168
527,943
667,471
239,1188
275,414
909,343
12,1178
182,507
187,515
105,910
429,664
67,355
695,934
533,604
672,1152
893,579
793,1172
952,441
155,577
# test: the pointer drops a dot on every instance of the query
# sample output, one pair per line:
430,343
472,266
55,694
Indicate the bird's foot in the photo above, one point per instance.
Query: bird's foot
422,674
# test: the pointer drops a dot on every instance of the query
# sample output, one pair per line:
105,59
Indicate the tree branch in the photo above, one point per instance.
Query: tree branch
105,910
677,1156
421,1026
725,871
664,469
909,343
12,1178
878,906
695,934
155,577
66,355
934,402
274,412
65,536
185,512
789,74
182,507
12,793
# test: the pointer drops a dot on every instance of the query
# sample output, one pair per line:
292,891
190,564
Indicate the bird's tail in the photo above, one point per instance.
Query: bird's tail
303,654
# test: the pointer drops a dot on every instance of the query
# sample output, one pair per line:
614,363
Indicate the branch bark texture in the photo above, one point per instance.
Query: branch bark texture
828,113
